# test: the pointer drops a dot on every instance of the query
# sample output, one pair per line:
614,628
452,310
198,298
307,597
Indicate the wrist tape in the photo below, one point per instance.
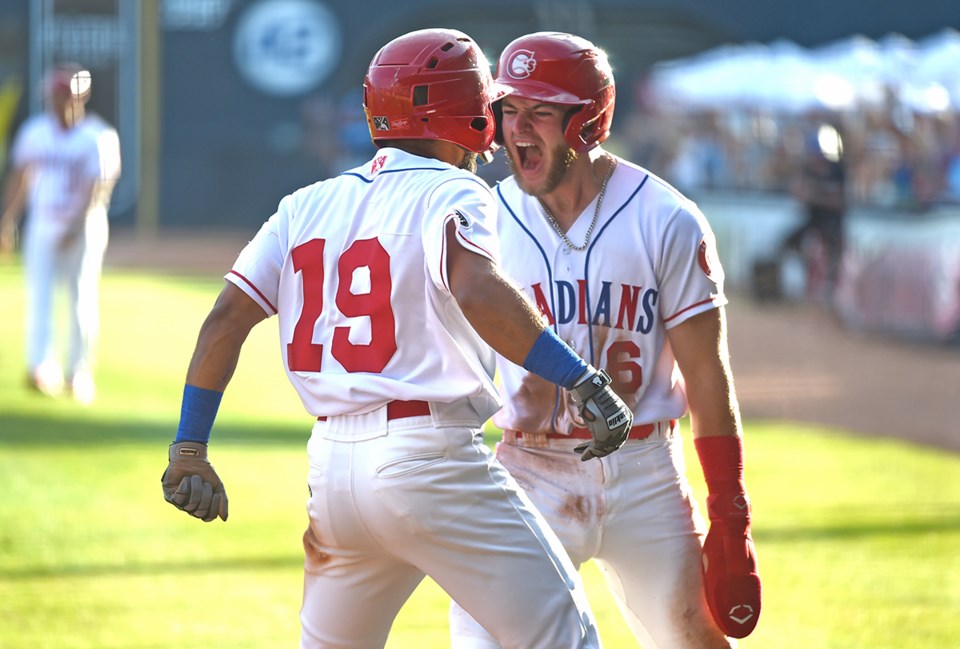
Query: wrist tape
552,359
197,412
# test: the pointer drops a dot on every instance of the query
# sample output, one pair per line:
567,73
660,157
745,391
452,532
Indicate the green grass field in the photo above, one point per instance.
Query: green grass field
858,538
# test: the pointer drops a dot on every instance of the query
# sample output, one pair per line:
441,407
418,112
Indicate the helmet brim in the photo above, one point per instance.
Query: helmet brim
539,91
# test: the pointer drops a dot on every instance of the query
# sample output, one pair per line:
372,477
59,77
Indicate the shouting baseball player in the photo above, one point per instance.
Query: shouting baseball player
625,269
386,286
65,163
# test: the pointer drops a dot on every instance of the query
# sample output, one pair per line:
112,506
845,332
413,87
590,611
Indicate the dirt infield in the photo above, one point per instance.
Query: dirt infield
791,362
798,363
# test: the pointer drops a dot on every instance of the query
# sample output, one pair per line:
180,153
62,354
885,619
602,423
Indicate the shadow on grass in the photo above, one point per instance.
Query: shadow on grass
164,568
273,562
62,431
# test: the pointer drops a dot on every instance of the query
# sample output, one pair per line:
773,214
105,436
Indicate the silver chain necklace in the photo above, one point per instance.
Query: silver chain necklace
596,213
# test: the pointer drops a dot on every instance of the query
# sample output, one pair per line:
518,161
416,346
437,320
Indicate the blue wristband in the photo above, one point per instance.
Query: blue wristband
197,412
552,359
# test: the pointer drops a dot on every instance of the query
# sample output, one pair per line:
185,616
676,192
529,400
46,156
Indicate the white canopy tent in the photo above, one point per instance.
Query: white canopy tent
784,76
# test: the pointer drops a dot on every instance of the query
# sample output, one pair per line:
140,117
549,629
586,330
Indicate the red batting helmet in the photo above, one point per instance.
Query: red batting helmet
432,84
559,68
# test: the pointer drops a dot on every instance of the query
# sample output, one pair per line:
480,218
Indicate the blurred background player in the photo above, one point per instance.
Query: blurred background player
64,164
386,285
820,187
625,269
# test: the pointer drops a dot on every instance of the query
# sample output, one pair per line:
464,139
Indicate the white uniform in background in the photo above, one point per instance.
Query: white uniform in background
61,164
401,482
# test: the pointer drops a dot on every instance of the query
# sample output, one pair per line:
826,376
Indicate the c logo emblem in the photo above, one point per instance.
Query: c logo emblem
521,64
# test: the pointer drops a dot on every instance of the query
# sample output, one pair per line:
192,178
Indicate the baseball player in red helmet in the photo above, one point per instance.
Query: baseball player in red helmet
64,165
625,269
386,285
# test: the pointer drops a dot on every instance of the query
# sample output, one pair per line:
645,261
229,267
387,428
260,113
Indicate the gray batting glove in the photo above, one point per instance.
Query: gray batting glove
606,415
191,484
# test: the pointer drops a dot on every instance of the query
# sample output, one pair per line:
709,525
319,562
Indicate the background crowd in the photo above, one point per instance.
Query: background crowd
899,125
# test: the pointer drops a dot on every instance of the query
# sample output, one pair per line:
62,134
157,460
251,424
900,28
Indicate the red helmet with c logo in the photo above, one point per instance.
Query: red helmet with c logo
559,68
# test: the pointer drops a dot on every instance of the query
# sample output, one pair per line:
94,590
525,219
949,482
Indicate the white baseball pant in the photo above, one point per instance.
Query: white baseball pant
392,501
634,514
77,267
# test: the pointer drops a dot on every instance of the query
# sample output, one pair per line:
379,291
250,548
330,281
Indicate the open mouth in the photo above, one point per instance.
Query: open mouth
529,156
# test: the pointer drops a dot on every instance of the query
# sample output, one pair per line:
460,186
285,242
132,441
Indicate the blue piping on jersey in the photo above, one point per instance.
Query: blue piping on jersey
586,267
553,306
390,171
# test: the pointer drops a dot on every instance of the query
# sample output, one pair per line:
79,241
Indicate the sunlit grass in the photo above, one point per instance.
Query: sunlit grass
857,537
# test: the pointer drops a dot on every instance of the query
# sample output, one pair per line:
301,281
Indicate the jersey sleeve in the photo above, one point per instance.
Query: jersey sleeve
689,271
256,271
23,143
471,205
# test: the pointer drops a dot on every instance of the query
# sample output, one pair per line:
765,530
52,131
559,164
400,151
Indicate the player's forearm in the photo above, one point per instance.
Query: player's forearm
212,365
700,347
510,323
221,338
507,319
214,360
496,309
502,317
711,396
713,407
14,197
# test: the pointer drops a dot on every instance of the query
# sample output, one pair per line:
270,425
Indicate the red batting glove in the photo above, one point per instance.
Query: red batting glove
729,561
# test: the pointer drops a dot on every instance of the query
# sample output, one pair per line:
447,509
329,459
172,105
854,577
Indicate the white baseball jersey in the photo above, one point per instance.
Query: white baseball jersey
61,163
355,269
650,264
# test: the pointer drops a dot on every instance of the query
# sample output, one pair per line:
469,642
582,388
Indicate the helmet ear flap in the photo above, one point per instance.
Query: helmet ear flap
573,126
591,124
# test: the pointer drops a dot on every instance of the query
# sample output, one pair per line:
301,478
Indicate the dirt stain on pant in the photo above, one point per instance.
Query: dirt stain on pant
314,556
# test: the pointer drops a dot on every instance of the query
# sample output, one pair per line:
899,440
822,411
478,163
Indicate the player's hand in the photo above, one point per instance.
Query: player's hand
191,484
729,561
606,415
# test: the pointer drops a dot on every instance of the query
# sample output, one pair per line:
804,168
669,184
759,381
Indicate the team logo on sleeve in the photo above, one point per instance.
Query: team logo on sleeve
708,259
521,64
381,123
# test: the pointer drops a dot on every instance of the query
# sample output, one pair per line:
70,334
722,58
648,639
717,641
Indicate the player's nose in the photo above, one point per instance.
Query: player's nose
521,122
